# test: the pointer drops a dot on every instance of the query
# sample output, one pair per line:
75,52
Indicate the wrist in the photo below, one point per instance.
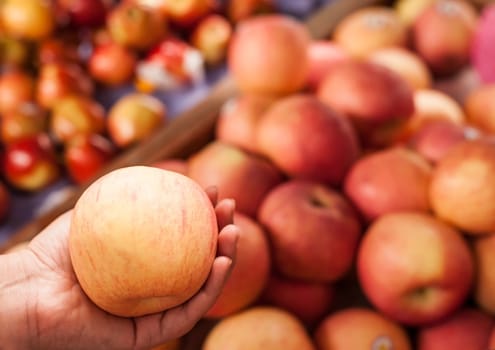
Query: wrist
14,299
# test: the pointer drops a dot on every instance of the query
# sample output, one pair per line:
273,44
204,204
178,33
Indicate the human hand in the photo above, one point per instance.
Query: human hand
57,314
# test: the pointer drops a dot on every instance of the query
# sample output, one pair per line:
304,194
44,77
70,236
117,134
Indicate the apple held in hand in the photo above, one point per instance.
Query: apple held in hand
313,230
414,268
360,328
142,240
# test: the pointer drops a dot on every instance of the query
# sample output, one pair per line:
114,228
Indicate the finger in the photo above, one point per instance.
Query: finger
227,241
225,212
212,192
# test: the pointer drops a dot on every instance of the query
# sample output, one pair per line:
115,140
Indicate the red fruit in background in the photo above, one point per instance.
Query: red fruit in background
86,155
323,55
16,88
187,12
479,107
27,121
112,64
238,10
211,37
58,49
178,165
30,164
86,13
482,49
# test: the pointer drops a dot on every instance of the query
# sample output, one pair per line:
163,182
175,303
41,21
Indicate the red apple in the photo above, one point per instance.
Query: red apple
86,13
16,88
482,49
405,62
468,328
28,19
307,140
60,48
462,189
323,55
85,155
313,229
250,273
238,10
135,26
360,328
483,293
237,174
238,120
112,64
28,120
76,114
442,34
211,37
479,107
389,180
309,301
30,164
185,13
282,69
414,268
134,117
370,28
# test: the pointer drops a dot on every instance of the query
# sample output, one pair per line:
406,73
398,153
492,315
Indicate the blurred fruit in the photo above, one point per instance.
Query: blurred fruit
238,10
86,13
323,55
58,49
409,10
16,88
479,107
112,64
483,291
185,13
482,49
26,121
211,37
174,164
5,202
13,52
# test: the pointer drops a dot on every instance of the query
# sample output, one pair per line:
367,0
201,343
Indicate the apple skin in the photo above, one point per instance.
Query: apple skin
167,241
238,10
28,120
309,301
85,155
482,49
30,164
479,107
368,29
238,120
468,328
260,327
389,180
414,268
323,55
483,295
250,273
462,188
85,13
307,140
442,35
245,177
360,328
283,67
187,13
16,88
211,36
112,64
313,230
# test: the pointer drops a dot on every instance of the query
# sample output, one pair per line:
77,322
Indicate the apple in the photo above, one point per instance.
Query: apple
435,138
482,50
86,13
112,64
377,100
5,202
323,55
239,10
409,10
370,28
16,88
260,327
152,251
479,107
250,273
468,328
76,114
389,180
174,164
28,120
414,268
442,34
308,301
307,140
136,27
186,13
313,229
282,69
85,155
237,174
134,117
31,20
14,52
30,164
405,62
483,295
462,191
360,328
60,48
211,36
59,79
238,120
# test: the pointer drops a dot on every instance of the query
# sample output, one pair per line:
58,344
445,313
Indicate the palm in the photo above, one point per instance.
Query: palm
62,307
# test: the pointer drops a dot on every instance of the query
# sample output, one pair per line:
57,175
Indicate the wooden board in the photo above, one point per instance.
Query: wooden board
188,131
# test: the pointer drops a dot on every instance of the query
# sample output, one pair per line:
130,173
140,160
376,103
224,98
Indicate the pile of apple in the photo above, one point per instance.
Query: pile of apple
58,56
364,184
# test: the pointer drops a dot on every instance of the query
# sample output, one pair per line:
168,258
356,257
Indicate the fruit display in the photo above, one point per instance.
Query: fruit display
362,165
